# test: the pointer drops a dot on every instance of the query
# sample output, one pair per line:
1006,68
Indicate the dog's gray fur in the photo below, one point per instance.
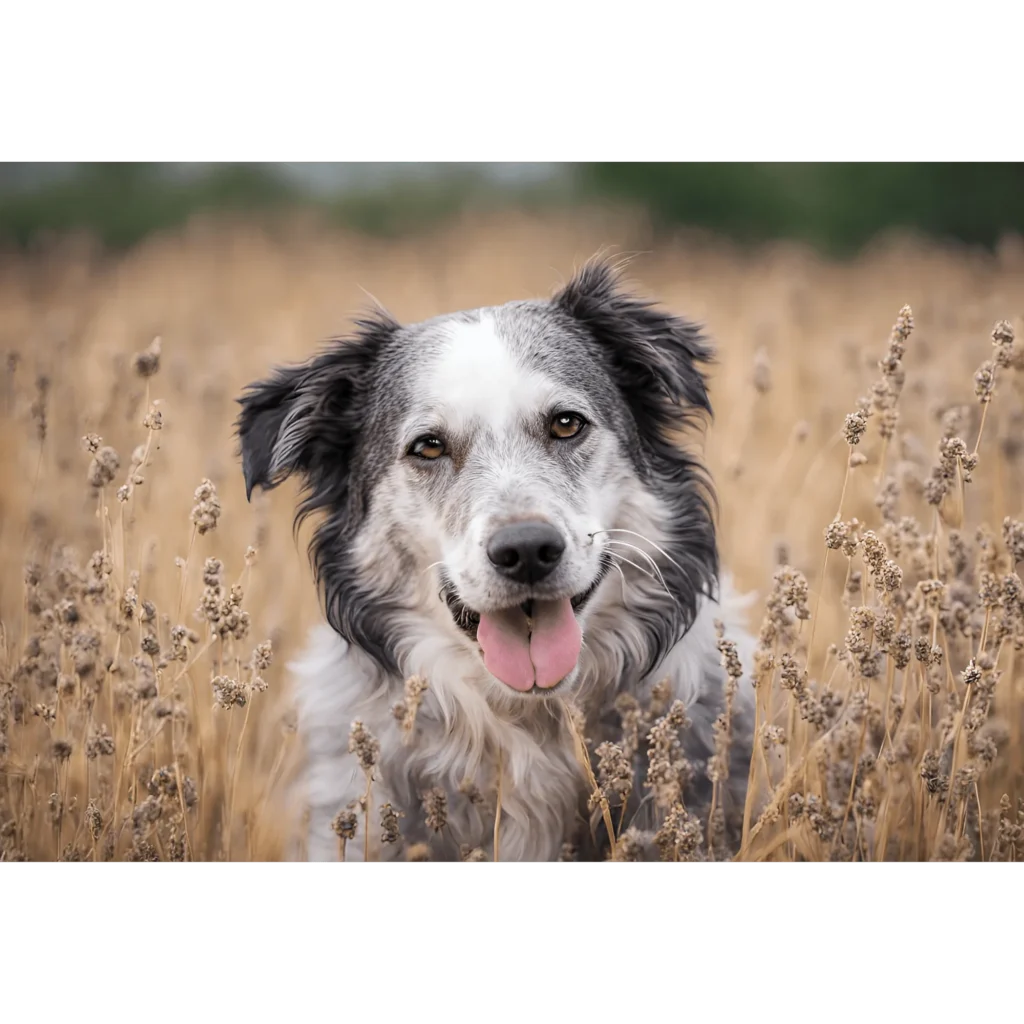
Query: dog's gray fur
401,552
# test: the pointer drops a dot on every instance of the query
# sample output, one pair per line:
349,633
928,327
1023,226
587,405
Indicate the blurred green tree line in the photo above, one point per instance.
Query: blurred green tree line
835,206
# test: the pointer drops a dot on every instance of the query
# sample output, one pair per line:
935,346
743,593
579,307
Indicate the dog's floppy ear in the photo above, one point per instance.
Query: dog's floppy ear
303,419
657,358
265,406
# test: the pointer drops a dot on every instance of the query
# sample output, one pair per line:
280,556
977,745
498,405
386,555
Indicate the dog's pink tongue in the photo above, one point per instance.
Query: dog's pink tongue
555,641
505,639
523,658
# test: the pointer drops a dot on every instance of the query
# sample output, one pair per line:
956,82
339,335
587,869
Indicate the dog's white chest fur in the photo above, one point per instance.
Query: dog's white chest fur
457,741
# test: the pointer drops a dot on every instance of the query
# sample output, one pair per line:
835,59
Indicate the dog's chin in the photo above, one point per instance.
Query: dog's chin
468,622
563,688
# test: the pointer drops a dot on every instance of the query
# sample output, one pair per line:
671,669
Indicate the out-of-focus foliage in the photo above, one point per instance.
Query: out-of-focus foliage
835,206
122,203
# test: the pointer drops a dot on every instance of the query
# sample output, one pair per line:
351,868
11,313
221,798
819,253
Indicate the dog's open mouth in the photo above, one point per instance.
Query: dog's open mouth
530,647
469,621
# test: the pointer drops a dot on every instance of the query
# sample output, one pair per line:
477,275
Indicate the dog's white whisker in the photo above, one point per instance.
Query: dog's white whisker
661,551
623,576
642,553
639,568
659,578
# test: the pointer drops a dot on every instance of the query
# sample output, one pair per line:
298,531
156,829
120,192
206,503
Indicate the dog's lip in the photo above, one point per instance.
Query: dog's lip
542,691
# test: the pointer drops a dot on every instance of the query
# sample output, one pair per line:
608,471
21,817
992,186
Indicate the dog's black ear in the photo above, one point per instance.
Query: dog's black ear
303,419
651,352
265,406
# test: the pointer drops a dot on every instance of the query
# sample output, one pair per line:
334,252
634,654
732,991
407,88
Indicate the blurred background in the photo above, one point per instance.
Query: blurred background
797,272
836,207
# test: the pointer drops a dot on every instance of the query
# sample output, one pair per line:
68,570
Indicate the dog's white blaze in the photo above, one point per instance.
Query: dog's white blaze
477,378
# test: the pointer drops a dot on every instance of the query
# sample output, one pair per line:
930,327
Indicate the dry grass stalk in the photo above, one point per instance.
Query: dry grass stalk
574,721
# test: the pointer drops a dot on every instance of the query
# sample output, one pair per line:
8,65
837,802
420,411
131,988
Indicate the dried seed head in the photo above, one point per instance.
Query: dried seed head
985,381
903,326
922,650
364,745
989,590
262,655
435,808
900,649
854,427
891,576
389,823
415,687
661,694
971,675
147,363
345,824
469,789
932,593
103,467
1002,333
213,572
851,541
406,709
93,820
1002,342
38,409
154,419
206,510
888,421
680,836
228,693
874,552
614,772
1013,538
633,844
99,744
142,850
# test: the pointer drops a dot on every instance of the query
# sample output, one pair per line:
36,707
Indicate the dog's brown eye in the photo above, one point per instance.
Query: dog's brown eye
428,447
567,424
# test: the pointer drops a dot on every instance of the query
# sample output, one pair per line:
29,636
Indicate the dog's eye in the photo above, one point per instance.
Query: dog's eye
567,424
427,447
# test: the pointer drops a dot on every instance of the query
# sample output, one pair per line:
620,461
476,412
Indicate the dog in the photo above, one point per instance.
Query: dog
507,513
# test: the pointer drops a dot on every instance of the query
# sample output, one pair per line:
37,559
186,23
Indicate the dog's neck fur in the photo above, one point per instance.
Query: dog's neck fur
465,725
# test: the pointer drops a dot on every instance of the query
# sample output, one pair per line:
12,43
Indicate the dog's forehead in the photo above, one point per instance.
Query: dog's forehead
492,367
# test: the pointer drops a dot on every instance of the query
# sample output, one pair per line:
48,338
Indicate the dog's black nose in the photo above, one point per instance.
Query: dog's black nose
526,552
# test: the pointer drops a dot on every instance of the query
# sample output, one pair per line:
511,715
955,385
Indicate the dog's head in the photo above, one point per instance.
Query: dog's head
500,473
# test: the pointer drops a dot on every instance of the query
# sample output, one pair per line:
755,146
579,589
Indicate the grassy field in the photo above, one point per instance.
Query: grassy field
124,736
